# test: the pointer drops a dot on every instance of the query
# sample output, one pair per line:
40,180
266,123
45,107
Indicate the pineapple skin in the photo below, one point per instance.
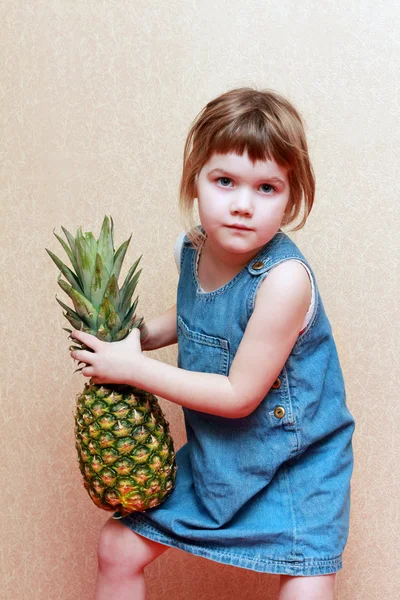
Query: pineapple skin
125,450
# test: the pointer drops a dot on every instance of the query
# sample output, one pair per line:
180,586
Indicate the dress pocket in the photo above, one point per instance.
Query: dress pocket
201,352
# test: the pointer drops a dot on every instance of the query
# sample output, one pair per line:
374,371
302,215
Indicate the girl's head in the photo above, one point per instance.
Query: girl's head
264,124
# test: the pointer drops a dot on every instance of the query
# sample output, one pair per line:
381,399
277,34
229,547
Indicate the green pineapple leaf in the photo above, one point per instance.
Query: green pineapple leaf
130,313
99,282
122,334
105,245
77,324
128,292
71,315
105,310
104,334
131,324
127,281
114,323
71,257
70,239
119,258
83,306
85,261
112,291
101,307
66,271
92,243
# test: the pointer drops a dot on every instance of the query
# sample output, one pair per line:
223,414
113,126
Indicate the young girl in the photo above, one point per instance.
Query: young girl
263,482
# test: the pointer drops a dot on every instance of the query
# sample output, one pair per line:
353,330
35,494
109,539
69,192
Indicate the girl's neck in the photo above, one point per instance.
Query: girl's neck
217,267
229,261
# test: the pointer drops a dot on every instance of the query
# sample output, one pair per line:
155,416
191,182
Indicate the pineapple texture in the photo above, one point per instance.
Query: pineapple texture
125,452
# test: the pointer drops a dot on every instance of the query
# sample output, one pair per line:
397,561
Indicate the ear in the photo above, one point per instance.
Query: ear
286,214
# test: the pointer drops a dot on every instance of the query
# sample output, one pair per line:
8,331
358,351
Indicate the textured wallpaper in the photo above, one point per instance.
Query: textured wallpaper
96,101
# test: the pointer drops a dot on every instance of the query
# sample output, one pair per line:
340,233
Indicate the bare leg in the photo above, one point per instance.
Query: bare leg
307,588
122,556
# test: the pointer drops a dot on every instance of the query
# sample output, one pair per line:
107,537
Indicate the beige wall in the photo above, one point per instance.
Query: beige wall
97,98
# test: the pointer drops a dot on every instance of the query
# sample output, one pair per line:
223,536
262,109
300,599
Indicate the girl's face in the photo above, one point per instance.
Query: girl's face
241,205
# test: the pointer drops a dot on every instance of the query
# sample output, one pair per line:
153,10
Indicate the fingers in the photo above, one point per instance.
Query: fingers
87,371
83,356
91,341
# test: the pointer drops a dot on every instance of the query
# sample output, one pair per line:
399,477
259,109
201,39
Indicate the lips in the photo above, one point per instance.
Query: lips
239,226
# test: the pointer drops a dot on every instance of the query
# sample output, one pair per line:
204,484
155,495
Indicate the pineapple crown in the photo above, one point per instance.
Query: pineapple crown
101,307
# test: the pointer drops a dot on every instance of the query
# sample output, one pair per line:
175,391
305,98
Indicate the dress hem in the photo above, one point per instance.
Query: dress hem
305,567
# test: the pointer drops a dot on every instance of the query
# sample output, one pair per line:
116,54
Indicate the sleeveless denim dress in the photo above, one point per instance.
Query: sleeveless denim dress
268,492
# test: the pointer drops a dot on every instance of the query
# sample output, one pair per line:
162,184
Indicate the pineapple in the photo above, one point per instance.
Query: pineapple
125,450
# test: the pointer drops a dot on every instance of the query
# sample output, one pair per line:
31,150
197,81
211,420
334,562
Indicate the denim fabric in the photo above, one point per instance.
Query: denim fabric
265,492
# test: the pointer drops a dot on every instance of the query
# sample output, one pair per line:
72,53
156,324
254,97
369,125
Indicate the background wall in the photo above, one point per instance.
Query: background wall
96,101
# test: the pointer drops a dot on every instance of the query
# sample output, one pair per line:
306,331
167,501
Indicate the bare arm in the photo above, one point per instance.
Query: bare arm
160,331
281,305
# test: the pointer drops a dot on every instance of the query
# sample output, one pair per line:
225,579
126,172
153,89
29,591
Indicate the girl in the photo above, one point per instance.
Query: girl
263,482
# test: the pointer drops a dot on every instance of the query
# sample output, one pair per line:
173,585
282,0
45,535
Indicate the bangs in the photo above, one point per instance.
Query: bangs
254,133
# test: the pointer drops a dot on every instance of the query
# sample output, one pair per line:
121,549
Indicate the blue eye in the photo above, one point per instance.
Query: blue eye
223,179
270,188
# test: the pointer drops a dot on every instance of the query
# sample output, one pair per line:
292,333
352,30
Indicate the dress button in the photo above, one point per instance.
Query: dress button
279,412
258,265
277,384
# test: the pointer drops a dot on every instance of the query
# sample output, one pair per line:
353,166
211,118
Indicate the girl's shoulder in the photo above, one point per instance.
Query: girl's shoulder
178,248
186,239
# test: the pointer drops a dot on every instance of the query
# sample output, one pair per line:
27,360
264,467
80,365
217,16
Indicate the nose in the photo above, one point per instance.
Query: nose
242,203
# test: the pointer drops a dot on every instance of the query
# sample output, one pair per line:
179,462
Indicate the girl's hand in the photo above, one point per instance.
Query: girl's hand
110,362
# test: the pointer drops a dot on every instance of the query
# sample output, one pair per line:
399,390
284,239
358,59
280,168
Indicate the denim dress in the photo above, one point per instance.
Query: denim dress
268,492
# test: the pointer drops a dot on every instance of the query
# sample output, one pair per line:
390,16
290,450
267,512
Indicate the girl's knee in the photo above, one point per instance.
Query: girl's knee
320,587
123,551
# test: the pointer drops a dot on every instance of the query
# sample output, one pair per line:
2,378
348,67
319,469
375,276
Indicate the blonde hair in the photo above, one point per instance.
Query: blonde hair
268,127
